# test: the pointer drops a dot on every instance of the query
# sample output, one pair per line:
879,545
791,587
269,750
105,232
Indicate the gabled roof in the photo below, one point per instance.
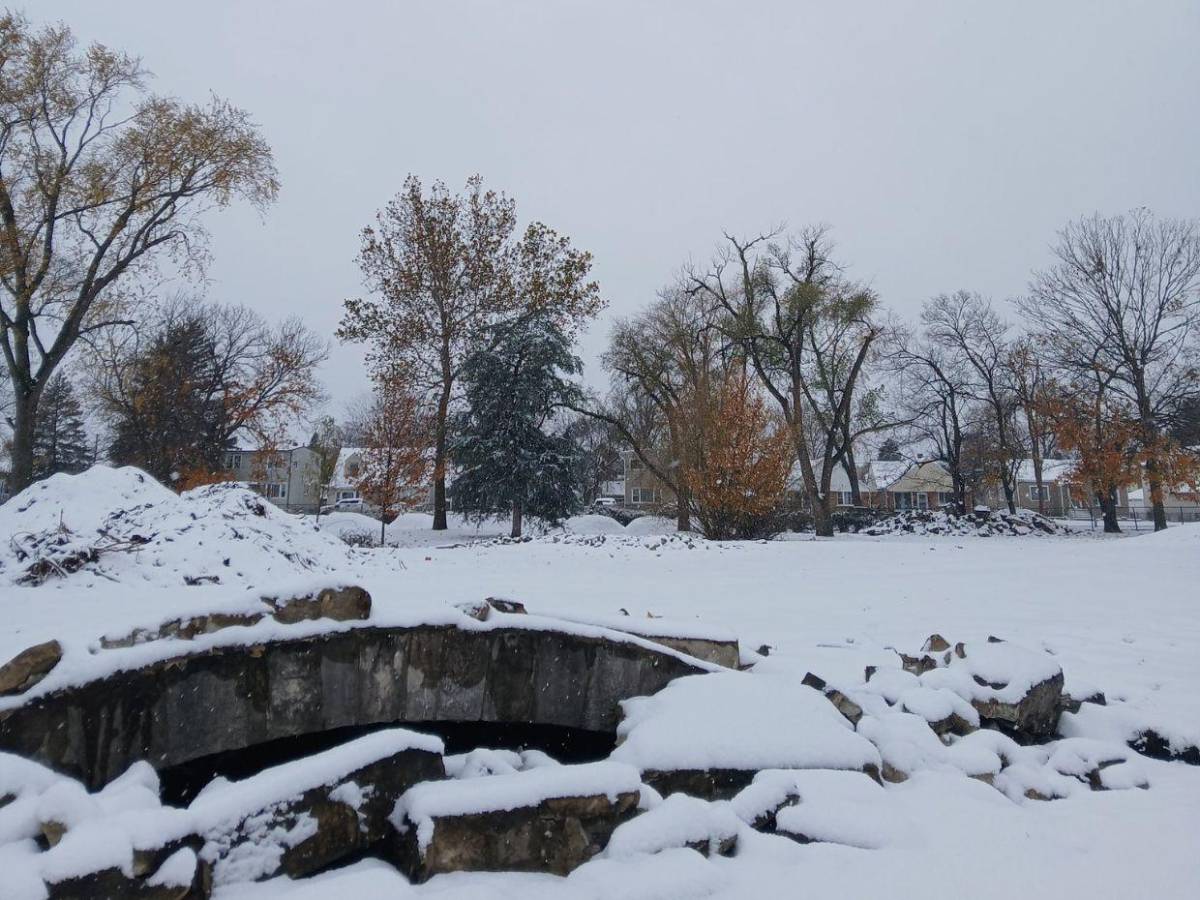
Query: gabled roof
338,477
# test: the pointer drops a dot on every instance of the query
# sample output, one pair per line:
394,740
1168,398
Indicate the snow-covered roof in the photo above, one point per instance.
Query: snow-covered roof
883,473
339,477
839,481
1052,470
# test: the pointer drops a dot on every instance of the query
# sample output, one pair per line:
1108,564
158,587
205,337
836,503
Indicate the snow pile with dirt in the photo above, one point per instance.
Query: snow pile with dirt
978,523
122,525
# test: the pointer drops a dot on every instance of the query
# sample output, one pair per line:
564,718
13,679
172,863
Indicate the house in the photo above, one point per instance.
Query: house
1058,496
343,482
901,485
1182,501
641,488
288,478
886,484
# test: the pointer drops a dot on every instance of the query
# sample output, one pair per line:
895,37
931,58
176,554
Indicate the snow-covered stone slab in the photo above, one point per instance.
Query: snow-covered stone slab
302,816
546,819
710,643
840,808
709,828
709,735
1149,735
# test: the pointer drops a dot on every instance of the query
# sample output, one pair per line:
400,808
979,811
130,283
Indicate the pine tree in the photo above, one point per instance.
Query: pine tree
509,455
60,442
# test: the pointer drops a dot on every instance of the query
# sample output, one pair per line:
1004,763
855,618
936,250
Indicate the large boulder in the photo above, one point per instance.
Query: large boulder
29,667
548,819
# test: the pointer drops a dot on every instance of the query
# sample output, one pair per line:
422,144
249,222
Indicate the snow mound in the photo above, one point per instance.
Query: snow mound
123,525
978,523
651,525
593,524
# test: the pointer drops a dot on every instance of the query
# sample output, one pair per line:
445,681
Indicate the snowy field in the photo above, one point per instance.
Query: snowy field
1120,614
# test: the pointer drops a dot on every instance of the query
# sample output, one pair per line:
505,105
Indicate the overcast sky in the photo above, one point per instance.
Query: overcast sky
945,142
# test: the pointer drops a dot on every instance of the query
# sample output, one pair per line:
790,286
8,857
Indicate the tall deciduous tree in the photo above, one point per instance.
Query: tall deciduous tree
395,460
661,360
445,270
510,456
60,442
967,326
99,180
808,333
1123,299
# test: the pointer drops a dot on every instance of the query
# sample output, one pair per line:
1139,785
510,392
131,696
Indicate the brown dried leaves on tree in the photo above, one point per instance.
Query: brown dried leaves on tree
99,181
740,470
443,269
395,462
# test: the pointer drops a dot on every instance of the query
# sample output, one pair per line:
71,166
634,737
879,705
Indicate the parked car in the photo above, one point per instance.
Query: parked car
348,504
605,501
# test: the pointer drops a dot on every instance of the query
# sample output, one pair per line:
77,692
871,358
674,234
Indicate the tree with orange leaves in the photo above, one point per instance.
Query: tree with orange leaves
1107,437
397,440
738,473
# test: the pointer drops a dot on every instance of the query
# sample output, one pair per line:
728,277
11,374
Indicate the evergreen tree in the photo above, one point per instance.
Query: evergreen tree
60,443
509,455
169,418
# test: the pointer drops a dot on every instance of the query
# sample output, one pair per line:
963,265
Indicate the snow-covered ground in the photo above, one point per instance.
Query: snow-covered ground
1121,615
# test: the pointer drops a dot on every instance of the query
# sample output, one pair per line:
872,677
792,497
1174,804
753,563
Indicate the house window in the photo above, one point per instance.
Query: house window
845,498
276,490
1036,493
233,460
352,468
634,462
642,495
912,500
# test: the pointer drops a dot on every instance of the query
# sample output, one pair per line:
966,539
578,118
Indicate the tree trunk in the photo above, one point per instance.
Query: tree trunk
516,519
20,474
1009,493
1154,480
439,459
1108,505
382,529
822,520
852,473
683,513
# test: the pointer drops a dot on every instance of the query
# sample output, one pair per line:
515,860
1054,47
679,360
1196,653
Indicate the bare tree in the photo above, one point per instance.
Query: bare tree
807,333
1123,299
445,270
937,402
1031,385
966,325
99,180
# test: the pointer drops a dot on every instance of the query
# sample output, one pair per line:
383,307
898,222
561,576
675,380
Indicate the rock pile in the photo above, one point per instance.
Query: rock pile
977,523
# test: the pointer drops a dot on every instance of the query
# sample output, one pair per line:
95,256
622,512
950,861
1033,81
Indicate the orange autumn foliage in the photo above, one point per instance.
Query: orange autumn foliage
739,472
